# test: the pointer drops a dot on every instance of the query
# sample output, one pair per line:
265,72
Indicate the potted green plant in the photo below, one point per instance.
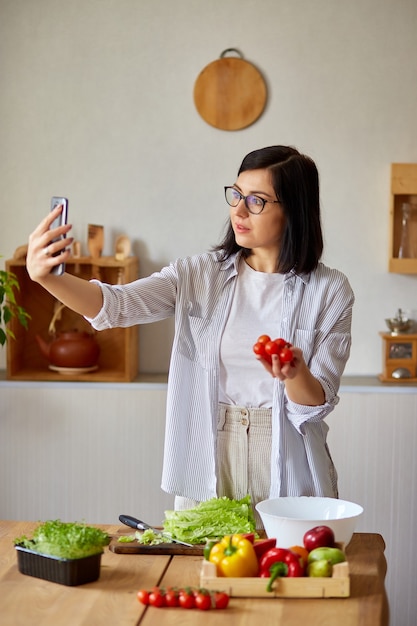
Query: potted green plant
9,308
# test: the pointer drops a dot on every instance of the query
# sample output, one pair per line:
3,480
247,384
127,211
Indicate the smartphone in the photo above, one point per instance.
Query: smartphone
59,221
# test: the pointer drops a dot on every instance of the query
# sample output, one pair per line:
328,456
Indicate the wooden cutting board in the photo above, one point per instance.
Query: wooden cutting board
134,547
230,93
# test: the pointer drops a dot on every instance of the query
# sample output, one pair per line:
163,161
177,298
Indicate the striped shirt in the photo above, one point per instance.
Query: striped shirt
198,291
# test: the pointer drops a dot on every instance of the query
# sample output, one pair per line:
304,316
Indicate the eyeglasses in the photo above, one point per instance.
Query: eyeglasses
254,204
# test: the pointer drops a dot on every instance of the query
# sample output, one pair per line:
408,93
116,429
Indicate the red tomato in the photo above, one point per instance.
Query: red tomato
259,349
265,348
281,343
186,599
221,599
264,339
202,600
143,596
286,355
156,598
171,597
271,347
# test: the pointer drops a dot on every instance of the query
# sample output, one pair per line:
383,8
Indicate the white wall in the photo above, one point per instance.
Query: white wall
76,452
97,103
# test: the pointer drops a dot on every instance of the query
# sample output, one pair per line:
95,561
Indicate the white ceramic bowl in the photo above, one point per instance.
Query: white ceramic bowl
287,519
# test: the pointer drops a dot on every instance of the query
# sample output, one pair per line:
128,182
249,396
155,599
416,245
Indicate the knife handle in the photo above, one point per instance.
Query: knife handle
133,522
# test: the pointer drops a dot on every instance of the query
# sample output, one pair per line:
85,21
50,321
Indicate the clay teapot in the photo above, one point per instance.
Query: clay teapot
72,348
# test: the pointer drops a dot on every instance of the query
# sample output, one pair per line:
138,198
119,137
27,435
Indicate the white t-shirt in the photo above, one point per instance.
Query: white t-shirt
255,311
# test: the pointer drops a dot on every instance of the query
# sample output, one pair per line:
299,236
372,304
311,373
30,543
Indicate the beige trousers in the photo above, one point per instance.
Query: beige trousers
243,456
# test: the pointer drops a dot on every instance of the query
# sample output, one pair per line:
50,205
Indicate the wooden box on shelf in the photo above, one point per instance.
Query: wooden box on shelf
118,360
403,190
399,358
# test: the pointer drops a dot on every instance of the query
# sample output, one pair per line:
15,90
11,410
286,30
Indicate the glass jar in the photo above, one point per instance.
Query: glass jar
408,244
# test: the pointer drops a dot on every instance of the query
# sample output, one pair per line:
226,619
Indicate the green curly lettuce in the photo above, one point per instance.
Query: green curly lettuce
147,538
65,540
211,519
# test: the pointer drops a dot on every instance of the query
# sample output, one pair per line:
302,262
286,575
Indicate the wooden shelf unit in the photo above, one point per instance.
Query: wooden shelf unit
403,189
119,357
399,351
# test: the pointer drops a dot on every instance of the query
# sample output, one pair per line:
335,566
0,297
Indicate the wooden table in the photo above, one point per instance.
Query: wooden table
112,601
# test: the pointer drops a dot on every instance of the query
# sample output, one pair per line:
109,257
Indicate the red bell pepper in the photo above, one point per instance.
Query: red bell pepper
280,562
263,545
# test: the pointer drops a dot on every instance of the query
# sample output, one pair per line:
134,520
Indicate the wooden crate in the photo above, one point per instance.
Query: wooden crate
119,358
338,586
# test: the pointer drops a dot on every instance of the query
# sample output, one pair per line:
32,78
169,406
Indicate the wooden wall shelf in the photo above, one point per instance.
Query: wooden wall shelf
119,356
403,189
399,352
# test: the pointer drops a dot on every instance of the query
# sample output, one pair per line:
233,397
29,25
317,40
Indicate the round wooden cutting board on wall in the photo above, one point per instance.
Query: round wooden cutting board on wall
230,93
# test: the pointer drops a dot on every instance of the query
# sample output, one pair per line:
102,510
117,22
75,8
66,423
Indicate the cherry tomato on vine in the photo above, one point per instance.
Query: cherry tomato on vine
286,355
221,599
271,347
265,347
156,598
259,348
264,339
281,343
186,599
171,597
202,600
143,596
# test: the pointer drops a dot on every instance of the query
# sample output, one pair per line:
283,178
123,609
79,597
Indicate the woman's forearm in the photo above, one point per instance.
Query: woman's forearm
305,388
76,293
300,384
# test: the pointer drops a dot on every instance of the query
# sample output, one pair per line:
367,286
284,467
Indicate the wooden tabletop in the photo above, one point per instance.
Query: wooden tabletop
111,600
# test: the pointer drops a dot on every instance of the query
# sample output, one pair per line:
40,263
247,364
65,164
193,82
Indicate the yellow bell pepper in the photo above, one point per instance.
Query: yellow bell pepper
234,556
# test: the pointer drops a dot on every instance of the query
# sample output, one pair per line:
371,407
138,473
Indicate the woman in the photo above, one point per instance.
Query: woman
236,425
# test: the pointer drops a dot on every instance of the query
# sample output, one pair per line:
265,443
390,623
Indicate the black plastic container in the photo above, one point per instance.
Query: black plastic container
69,572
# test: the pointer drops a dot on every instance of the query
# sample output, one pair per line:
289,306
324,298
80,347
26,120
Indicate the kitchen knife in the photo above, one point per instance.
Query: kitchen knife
133,522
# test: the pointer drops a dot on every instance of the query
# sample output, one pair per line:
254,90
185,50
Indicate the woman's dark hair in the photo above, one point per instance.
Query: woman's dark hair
295,180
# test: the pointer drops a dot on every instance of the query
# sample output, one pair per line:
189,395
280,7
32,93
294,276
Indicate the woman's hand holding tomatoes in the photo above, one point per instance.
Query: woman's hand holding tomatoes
266,348
278,356
286,362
